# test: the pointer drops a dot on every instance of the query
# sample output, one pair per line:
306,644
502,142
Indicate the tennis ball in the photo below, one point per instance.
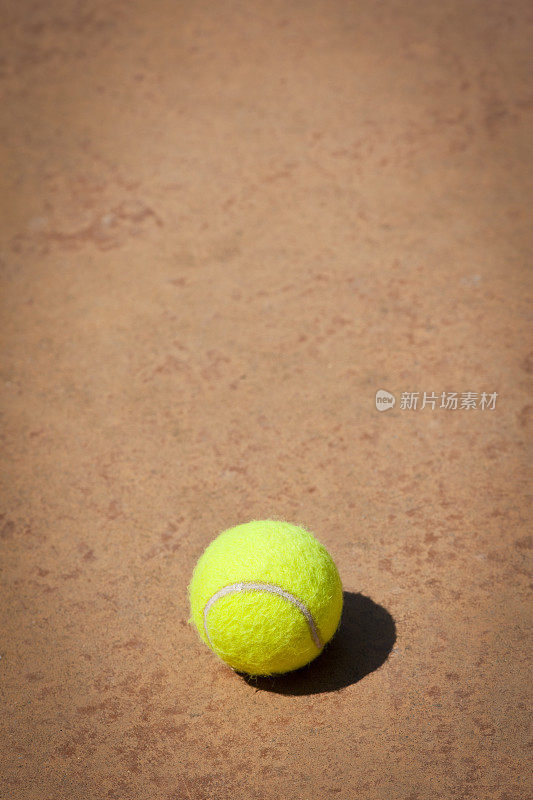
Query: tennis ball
266,597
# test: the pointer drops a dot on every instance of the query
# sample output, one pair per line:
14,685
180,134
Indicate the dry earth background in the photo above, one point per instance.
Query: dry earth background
224,227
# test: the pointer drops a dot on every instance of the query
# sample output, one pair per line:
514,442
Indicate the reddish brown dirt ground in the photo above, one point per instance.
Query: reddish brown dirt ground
224,227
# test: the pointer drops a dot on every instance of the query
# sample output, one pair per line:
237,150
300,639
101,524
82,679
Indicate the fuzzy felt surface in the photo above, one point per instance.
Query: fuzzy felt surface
263,632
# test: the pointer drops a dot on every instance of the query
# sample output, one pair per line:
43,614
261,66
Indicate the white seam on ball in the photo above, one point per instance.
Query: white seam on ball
263,587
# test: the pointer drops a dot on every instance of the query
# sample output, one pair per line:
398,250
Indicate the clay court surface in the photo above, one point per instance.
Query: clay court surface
224,227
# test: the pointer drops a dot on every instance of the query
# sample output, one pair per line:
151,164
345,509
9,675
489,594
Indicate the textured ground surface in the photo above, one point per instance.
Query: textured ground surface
224,227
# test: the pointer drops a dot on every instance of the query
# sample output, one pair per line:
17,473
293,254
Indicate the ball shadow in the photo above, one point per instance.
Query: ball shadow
365,638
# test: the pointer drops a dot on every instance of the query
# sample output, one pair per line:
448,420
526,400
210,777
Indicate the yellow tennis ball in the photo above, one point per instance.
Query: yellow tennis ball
266,597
